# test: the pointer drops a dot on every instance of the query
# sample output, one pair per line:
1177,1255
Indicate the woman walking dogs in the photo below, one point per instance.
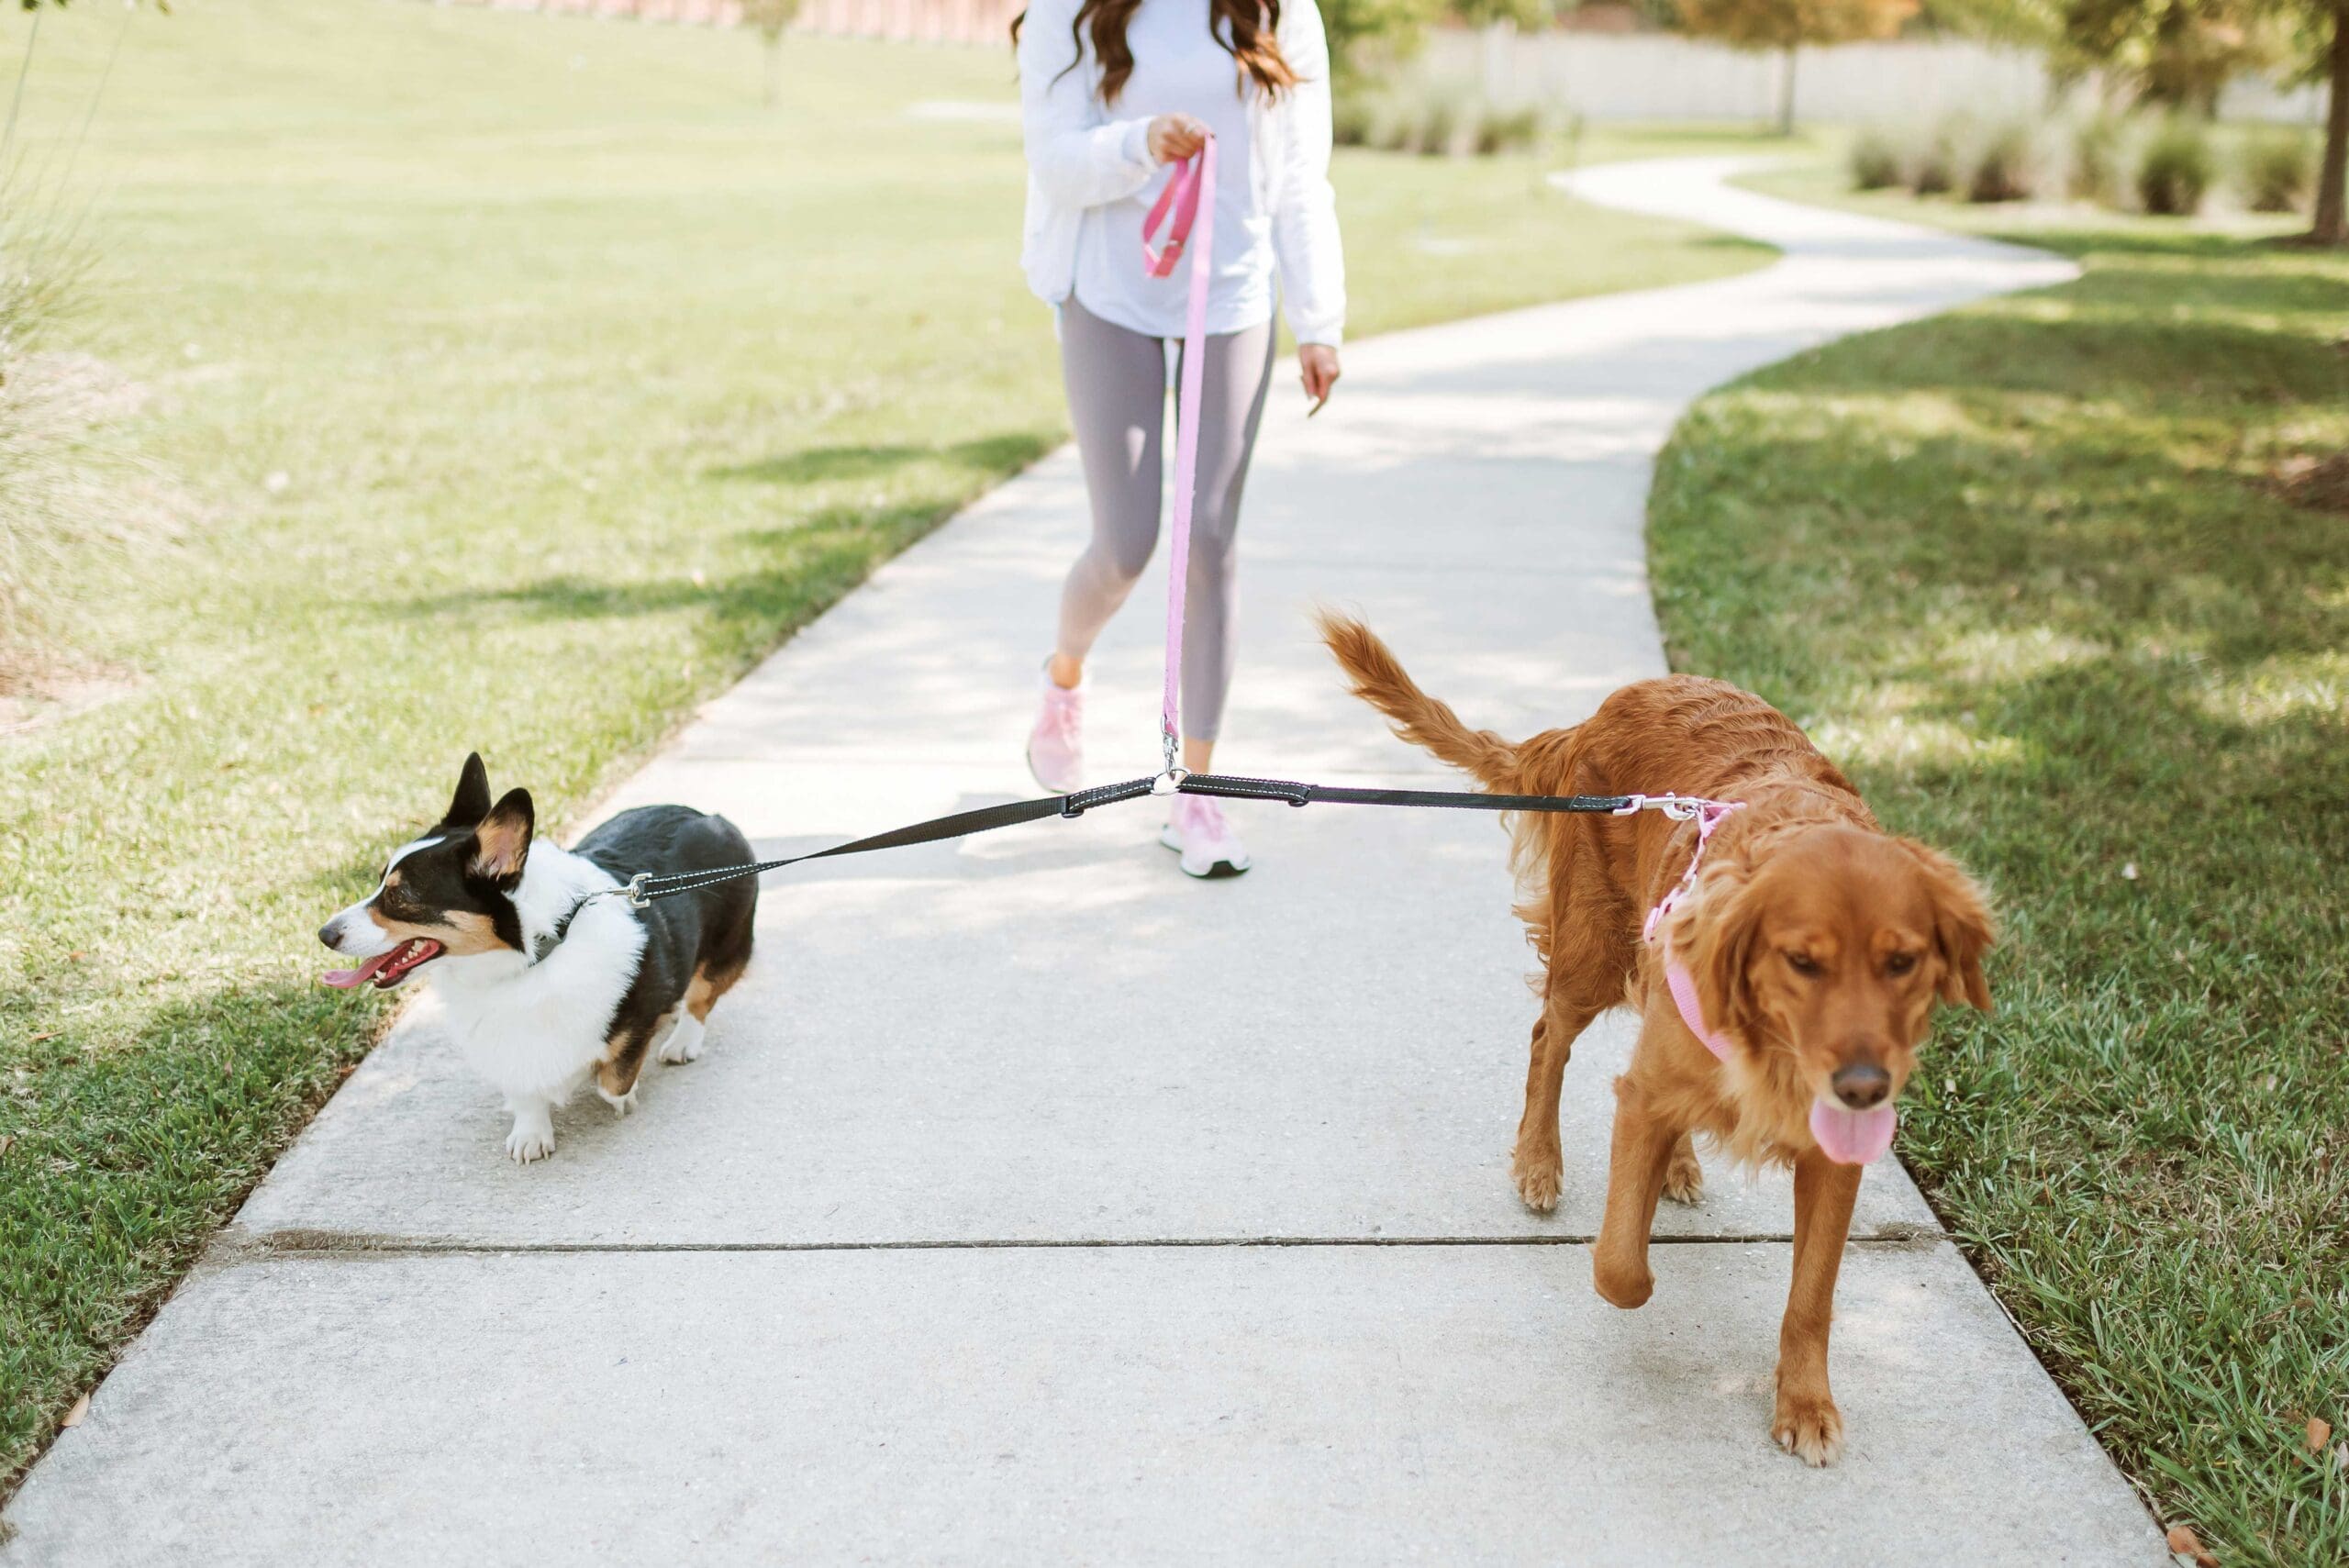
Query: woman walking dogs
1113,93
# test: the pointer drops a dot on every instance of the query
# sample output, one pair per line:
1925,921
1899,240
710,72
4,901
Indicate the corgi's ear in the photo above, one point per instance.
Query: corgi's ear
502,842
472,801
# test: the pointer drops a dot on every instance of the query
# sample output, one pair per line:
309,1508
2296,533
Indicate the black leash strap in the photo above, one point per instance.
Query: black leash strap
644,887
1230,788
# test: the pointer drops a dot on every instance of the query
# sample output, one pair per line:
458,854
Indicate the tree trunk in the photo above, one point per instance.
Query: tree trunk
2332,226
1786,94
775,70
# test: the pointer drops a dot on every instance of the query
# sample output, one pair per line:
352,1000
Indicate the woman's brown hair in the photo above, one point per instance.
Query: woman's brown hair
1244,27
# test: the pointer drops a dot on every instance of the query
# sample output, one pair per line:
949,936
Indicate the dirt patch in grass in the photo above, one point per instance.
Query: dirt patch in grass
32,699
2321,484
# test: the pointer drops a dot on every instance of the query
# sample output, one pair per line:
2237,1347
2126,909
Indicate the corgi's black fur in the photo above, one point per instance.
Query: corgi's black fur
704,931
546,985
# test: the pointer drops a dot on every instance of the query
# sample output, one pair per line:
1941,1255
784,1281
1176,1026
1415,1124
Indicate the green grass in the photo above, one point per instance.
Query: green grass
512,382
2024,571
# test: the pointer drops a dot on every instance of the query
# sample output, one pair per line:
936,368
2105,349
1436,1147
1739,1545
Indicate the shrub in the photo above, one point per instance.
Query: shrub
1353,119
1442,126
73,496
2005,165
2279,170
1508,130
2097,154
1398,124
1875,161
2173,173
1417,117
1934,171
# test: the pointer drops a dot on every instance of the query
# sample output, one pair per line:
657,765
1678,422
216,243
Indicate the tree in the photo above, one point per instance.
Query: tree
2181,52
2331,225
2177,53
1397,26
770,18
1787,25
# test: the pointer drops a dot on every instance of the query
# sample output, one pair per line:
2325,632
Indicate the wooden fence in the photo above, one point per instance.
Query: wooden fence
915,21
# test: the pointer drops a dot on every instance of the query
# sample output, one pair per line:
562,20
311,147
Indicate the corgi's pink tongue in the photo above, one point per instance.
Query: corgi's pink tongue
351,979
1852,1138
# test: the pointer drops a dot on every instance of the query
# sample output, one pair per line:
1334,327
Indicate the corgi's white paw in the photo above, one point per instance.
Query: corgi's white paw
533,1138
621,1103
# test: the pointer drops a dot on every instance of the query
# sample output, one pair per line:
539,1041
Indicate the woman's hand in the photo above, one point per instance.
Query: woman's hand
1172,137
1316,365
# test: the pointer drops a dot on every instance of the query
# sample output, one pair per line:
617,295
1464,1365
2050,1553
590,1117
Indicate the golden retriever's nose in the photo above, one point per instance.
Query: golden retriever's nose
1862,1085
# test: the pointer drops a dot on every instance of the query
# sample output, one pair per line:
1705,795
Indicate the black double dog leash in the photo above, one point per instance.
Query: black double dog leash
644,887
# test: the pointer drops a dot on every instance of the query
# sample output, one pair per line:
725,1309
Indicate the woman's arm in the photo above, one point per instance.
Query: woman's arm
1305,211
1079,155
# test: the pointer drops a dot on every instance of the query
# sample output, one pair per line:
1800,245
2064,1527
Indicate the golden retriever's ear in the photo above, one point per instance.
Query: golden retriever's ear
1713,934
1962,928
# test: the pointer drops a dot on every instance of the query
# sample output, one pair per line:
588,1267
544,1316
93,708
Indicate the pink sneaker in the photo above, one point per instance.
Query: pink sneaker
1056,746
1196,830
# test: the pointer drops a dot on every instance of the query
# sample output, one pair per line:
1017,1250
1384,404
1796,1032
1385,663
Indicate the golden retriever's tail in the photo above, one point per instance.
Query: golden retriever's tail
1379,680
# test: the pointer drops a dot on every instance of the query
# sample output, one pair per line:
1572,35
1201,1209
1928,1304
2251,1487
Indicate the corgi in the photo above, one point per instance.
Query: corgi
546,984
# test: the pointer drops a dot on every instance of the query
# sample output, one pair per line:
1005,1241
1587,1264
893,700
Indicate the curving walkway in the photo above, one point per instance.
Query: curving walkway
1033,1204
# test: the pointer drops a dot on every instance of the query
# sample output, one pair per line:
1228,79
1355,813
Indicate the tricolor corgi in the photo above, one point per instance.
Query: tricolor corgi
547,985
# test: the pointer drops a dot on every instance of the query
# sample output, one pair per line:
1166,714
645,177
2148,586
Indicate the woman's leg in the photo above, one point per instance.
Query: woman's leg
1239,368
1116,400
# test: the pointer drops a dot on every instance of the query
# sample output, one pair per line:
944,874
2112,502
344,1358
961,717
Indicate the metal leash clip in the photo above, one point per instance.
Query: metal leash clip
635,890
1169,782
1670,805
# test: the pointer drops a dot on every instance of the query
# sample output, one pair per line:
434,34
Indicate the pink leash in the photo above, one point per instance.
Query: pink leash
1189,195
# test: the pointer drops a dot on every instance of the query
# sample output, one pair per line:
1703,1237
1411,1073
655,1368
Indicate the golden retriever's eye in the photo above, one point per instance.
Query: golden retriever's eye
1802,963
1899,963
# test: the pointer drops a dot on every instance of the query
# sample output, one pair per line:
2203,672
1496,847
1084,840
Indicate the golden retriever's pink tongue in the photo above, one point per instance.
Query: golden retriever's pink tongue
1852,1138
351,979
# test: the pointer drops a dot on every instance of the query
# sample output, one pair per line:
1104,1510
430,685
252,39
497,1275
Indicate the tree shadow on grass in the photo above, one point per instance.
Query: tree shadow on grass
2102,348
811,564
2079,240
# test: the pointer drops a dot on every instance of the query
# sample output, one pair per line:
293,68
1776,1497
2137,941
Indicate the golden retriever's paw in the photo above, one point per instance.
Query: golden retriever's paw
1538,1180
1809,1428
1622,1285
1684,1179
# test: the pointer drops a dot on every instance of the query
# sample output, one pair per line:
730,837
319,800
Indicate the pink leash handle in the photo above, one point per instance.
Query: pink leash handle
1190,197
1180,195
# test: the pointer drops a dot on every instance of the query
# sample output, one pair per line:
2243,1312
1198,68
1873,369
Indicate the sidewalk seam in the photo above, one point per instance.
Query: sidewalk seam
231,1251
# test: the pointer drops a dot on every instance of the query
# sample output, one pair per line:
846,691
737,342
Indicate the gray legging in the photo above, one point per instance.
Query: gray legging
1117,399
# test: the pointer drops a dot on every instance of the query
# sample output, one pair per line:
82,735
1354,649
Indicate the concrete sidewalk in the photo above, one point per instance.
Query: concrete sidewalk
1033,1203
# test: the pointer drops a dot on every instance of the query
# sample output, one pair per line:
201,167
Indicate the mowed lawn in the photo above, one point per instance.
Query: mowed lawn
2033,573
511,382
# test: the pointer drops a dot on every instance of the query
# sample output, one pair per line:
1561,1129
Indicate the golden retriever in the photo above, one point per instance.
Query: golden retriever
1816,943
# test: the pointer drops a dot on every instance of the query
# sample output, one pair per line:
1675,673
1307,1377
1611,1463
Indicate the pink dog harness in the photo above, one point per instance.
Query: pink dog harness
1709,815
1845,1136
